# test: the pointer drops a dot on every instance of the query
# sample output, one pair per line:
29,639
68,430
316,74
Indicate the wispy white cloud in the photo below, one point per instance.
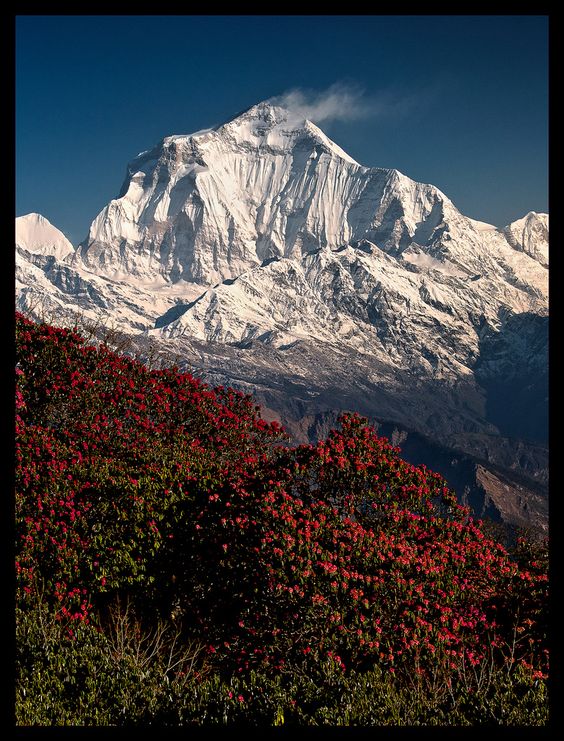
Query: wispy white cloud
338,102
347,102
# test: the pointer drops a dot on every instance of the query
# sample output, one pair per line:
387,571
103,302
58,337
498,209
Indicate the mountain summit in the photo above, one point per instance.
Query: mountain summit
279,128
36,234
261,254
204,207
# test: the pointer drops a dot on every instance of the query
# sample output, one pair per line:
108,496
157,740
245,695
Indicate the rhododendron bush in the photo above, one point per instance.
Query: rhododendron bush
149,485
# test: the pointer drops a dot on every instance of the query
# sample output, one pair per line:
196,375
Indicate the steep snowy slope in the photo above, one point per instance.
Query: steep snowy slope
425,315
530,234
61,290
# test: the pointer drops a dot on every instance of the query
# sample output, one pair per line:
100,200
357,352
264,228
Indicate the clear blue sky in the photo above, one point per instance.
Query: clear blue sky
457,101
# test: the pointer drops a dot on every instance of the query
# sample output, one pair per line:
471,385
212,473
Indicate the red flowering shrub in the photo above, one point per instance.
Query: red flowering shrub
150,483
343,550
101,444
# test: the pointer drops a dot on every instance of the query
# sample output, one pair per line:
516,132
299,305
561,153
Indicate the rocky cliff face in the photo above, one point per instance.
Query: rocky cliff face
263,256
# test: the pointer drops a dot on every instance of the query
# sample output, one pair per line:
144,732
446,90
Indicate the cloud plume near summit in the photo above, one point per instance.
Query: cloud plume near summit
343,102
338,102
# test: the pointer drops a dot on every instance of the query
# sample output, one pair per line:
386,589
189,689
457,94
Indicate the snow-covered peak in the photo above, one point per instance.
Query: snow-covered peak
36,234
263,123
329,144
530,235
279,127
207,206
265,126
268,114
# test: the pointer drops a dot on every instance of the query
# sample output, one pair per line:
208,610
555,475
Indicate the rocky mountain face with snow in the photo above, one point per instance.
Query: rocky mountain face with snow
260,255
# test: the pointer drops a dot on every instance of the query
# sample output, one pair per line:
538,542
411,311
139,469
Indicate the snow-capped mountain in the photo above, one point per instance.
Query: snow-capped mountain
530,234
207,206
36,234
262,255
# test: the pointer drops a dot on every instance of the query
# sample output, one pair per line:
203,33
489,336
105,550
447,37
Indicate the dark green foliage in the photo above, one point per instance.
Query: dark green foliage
86,680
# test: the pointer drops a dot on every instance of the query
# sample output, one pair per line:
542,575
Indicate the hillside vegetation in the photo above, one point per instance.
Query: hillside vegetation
177,563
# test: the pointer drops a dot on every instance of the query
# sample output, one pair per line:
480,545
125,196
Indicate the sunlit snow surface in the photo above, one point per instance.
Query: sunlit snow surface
36,234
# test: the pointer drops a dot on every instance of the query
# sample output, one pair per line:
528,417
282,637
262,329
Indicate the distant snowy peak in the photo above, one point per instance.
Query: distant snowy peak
36,234
530,235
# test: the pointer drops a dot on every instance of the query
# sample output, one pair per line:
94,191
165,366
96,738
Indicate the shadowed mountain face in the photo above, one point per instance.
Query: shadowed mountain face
260,255
513,371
